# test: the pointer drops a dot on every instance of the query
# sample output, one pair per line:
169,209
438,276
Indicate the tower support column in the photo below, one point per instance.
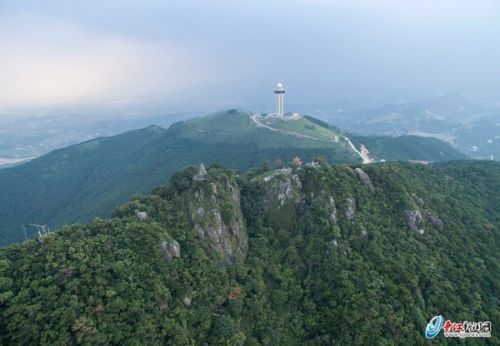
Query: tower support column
279,91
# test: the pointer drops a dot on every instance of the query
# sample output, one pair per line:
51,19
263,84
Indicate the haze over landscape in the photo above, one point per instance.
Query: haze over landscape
83,65
304,172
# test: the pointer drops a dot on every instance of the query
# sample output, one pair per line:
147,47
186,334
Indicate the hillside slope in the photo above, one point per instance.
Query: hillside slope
313,256
78,183
410,147
470,126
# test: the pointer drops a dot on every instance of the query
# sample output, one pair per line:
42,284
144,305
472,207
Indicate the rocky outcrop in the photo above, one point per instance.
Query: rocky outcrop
141,215
202,173
332,211
282,186
414,220
365,179
216,216
350,212
417,216
328,202
323,204
170,249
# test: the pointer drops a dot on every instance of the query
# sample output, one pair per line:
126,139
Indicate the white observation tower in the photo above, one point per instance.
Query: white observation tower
280,95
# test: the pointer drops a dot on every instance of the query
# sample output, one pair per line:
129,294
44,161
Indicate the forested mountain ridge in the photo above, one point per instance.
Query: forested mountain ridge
315,255
80,182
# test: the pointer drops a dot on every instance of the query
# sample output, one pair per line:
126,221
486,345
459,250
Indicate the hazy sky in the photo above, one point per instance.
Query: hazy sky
230,53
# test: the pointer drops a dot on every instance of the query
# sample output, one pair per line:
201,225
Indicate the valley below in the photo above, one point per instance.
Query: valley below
469,126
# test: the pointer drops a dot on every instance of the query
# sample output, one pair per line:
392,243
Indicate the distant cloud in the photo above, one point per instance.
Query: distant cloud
230,53
45,61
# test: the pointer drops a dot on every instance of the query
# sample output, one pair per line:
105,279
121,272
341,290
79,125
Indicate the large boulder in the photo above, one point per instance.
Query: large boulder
171,249
414,220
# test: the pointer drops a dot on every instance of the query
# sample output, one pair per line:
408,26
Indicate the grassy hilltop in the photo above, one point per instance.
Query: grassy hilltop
80,182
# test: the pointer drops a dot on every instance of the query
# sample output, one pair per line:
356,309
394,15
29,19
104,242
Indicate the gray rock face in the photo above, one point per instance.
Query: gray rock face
202,173
216,231
283,186
141,215
417,215
365,179
218,220
332,217
171,249
284,191
278,172
351,209
414,220
324,203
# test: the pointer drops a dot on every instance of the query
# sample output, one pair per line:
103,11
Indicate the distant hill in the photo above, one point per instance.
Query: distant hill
318,255
470,127
407,147
44,129
80,182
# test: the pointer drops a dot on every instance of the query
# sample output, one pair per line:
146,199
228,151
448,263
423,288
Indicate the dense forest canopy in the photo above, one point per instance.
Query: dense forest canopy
316,255
80,182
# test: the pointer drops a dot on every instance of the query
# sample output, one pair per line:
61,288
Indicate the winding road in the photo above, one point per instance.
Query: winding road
363,154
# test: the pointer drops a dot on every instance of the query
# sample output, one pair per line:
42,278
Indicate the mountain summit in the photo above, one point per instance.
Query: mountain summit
80,182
